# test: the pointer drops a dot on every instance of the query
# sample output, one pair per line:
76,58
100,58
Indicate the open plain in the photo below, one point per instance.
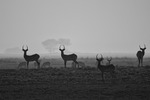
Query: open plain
59,83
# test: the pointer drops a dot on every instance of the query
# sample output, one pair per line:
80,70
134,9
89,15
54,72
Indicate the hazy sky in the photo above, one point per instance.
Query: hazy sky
92,26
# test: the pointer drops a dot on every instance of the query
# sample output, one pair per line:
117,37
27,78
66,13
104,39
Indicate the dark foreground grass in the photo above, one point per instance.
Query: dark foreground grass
130,83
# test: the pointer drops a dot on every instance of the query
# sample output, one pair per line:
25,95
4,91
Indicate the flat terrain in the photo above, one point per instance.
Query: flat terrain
130,83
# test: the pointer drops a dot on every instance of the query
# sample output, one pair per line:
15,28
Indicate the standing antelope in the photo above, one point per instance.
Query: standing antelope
140,55
29,58
105,68
109,60
71,57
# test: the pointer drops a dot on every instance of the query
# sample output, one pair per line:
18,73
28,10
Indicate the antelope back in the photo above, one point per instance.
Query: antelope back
46,65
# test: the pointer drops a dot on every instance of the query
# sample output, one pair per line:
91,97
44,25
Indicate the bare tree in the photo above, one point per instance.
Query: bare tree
29,58
70,57
140,54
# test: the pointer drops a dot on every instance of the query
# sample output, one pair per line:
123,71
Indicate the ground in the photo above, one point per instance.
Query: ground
130,83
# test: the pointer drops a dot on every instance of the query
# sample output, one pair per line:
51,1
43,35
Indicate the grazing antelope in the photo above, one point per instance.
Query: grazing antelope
104,68
109,60
22,64
82,64
140,54
46,65
71,57
29,58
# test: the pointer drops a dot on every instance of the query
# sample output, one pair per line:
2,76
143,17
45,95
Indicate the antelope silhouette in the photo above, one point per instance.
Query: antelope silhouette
105,68
140,54
70,57
29,58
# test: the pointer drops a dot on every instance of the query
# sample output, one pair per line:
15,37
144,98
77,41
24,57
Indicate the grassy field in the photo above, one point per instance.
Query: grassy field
59,83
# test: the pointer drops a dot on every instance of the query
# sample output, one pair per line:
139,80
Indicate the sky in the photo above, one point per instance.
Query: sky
85,26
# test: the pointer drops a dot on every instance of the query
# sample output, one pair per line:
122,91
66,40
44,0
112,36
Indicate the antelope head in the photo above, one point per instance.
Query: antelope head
109,60
25,50
143,49
62,49
99,59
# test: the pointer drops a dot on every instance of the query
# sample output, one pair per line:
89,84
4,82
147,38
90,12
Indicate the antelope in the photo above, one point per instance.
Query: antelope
29,58
70,57
109,60
22,64
140,54
104,68
46,65
82,64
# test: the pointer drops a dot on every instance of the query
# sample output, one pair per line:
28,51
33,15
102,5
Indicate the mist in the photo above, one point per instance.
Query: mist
13,50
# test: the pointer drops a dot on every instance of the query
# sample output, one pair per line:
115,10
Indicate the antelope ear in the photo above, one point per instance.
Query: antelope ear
64,47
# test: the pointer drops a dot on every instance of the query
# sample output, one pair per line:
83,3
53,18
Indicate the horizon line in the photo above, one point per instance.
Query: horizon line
84,55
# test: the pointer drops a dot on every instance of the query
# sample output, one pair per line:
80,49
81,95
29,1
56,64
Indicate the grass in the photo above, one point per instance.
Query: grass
59,83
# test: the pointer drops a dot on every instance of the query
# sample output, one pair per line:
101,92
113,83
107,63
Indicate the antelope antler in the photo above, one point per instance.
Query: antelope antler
99,58
23,47
139,46
102,56
109,59
144,46
61,46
